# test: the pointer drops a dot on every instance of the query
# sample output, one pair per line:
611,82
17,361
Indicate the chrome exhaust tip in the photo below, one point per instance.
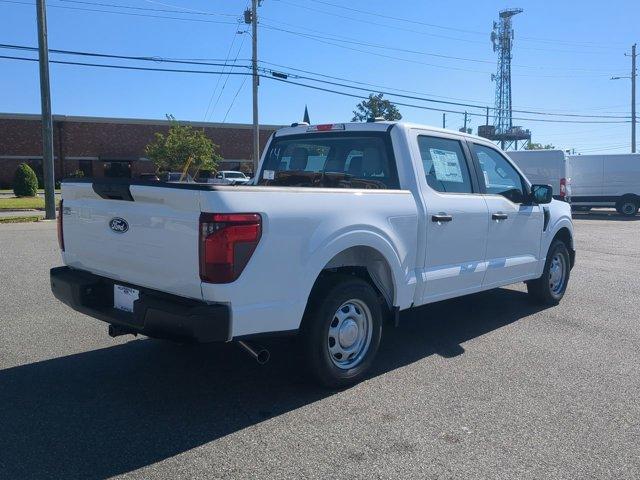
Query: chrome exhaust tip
258,352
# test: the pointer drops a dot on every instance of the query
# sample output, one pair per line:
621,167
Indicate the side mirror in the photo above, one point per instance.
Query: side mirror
541,194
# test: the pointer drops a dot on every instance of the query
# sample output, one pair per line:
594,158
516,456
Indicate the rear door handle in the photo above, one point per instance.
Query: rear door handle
499,216
442,217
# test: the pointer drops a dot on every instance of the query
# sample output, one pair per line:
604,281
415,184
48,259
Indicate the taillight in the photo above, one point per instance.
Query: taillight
227,242
60,229
563,187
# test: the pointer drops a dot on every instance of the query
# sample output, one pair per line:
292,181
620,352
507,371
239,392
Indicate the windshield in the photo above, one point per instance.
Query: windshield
331,160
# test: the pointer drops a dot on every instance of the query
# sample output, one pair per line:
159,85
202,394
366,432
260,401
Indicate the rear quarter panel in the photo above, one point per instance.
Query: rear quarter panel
303,229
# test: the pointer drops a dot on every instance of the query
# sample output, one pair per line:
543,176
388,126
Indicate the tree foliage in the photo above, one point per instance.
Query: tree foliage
538,146
25,181
181,145
375,106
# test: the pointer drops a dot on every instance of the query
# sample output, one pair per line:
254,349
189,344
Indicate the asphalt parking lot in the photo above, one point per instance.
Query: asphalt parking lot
489,386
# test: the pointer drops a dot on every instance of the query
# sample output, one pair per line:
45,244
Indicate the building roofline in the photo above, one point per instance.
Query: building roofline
130,121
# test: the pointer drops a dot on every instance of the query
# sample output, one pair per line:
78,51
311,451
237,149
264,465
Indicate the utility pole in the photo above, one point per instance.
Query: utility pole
465,122
48,171
256,82
634,74
444,120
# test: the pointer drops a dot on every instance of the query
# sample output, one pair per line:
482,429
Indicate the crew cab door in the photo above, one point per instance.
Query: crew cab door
515,226
457,220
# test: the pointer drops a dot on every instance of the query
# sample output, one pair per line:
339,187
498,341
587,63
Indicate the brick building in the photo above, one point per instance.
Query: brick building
108,147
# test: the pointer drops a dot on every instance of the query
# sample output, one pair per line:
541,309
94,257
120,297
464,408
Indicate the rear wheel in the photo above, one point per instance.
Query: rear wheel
628,207
550,287
341,330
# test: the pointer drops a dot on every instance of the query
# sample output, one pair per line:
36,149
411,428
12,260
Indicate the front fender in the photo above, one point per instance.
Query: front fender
560,217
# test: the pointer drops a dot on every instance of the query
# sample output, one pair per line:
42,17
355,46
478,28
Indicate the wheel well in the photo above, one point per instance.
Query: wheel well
629,196
366,263
564,235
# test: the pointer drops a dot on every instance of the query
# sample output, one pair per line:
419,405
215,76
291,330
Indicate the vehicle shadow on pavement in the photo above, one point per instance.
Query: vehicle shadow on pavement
110,411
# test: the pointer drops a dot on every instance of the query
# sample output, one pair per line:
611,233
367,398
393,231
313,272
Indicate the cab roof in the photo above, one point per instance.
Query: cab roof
378,126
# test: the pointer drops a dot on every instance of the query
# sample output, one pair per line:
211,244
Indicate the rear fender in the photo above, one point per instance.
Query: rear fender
322,255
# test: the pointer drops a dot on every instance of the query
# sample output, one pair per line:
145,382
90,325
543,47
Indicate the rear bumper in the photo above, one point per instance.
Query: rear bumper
155,314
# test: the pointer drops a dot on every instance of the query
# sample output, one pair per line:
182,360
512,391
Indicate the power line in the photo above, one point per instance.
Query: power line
331,41
475,32
126,67
233,40
351,40
378,86
371,22
304,77
175,9
199,12
131,14
244,80
121,57
224,84
313,87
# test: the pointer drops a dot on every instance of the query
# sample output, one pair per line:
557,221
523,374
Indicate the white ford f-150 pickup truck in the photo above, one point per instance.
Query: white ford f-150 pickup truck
344,226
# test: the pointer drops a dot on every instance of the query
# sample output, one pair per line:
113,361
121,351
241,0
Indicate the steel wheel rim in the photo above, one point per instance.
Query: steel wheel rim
557,274
628,208
349,335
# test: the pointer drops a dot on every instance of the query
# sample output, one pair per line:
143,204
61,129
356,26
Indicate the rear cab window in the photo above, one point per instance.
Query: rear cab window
331,160
445,165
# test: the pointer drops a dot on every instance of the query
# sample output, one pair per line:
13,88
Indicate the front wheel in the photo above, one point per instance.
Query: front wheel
551,286
341,330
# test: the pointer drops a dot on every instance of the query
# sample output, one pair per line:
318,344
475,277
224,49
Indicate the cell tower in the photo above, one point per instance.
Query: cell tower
503,129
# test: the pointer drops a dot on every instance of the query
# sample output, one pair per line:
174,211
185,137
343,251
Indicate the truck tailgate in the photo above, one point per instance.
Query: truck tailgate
153,241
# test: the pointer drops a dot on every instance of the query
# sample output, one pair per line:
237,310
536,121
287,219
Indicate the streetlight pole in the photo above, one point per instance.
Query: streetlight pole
634,74
48,171
256,82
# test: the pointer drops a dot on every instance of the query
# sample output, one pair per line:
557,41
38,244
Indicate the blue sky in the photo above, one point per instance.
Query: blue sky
564,55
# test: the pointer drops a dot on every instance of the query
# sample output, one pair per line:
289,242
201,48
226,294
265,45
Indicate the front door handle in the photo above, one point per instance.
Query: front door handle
441,217
499,216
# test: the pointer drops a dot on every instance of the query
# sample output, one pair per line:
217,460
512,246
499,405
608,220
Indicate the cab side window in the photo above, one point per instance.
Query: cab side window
445,165
499,175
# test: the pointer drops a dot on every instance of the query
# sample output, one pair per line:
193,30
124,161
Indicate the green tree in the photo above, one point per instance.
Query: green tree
25,181
538,146
183,147
375,106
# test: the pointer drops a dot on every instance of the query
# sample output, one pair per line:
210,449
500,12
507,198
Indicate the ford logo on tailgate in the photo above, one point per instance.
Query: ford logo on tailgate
118,225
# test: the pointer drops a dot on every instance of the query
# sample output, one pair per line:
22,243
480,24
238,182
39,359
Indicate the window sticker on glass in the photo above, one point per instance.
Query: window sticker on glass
446,165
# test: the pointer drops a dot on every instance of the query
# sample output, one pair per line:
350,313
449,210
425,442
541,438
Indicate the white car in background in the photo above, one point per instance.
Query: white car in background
230,177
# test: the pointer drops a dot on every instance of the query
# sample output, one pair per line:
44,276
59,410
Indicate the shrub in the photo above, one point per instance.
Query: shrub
25,182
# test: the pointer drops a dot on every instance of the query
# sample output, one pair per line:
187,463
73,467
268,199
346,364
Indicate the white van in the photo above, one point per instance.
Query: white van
606,181
547,167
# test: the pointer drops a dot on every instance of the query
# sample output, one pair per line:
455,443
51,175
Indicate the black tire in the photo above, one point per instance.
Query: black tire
328,296
628,207
540,289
